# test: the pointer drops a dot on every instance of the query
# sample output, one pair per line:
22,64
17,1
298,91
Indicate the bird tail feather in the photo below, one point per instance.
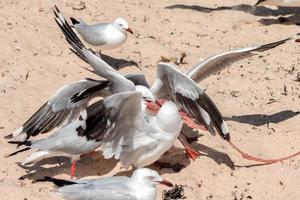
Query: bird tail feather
57,182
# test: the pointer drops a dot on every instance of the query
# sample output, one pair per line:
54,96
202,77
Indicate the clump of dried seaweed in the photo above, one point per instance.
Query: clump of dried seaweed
176,193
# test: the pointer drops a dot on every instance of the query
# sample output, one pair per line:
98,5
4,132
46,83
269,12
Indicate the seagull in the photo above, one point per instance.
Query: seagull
115,125
106,36
284,3
140,186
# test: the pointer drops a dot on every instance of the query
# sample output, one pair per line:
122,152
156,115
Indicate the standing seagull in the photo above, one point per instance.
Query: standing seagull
140,186
104,35
283,3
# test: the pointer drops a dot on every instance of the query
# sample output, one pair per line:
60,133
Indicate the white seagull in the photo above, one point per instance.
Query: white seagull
284,3
140,186
117,126
103,35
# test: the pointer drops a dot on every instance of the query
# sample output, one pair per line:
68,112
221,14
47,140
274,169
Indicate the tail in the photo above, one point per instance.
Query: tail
74,21
10,136
57,182
37,156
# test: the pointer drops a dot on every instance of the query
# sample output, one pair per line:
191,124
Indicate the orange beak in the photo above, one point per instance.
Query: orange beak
129,30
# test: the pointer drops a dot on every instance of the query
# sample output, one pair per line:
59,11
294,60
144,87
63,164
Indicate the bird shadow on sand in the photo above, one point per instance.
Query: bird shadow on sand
262,119
86,166
250,9
118,63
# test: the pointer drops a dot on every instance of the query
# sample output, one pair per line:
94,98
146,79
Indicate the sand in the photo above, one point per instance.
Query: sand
35,61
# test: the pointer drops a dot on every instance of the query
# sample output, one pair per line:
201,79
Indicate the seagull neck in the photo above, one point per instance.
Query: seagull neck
168,118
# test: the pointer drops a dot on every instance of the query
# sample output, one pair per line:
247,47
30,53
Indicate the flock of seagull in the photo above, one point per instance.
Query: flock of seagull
133,122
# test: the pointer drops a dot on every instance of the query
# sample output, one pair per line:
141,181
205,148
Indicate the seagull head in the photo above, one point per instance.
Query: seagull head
122,24
146,93
149,177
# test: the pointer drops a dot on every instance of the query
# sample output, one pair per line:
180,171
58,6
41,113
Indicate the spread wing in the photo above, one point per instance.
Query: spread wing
62,106
219,62
172,84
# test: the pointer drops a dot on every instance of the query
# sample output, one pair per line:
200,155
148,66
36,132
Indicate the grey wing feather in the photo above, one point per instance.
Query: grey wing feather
171,83
59,108
92,34
219,62
92,191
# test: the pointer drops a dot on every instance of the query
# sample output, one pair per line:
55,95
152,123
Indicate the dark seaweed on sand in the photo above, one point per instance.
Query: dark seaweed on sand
176,193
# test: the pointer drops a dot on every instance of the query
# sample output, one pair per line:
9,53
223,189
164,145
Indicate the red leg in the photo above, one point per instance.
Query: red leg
73,169
191,153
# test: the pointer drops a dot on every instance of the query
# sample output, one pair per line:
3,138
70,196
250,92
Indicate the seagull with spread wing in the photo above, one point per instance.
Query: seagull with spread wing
116,125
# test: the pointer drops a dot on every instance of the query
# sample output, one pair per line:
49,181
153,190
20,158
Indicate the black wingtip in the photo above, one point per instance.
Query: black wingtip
74,21
226,137
259,2
10,136
16,152
57,182
20,143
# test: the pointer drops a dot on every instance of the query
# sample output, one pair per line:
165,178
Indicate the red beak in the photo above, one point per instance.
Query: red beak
129,30
167,183
297,40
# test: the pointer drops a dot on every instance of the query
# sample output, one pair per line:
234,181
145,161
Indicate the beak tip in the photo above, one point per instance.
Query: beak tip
129,30
166,183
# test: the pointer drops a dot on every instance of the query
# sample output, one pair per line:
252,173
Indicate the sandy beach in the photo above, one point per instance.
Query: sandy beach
259,97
